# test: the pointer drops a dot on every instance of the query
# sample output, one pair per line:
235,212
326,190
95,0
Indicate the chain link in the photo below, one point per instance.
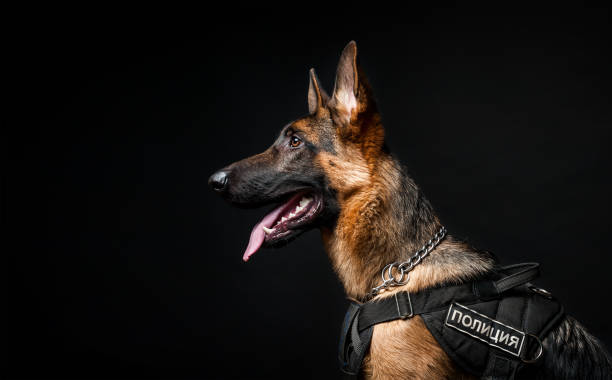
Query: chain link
396,274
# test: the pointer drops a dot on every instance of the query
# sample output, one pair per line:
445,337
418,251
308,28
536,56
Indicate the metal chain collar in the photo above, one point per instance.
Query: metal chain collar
396,274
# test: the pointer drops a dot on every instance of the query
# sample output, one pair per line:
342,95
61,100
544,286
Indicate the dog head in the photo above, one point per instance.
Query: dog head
315,164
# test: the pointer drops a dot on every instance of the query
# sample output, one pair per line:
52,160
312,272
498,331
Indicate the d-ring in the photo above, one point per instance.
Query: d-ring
538,353
392,277
382,274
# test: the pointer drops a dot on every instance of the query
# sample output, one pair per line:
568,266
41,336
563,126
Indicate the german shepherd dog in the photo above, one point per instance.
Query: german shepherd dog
331,170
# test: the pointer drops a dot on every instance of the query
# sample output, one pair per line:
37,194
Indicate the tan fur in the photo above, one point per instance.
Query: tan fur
362,233
369,233
309,126
358,227
345,175
406,350
400,349
414,352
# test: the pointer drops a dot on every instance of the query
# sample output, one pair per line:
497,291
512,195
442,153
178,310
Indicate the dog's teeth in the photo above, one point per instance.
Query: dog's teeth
283,219
305,201
299,208
291,215
267,230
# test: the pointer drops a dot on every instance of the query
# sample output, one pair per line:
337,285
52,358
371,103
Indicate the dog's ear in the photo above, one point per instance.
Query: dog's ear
317,97
344,98
352,94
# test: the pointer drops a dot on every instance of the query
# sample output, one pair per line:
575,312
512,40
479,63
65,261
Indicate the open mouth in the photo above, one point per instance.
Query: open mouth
284,221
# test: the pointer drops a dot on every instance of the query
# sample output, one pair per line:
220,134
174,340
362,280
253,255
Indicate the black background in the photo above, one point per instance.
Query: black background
123,264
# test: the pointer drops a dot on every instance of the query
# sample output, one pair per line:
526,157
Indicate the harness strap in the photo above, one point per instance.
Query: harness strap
501,368
512,276
516,275
403,305
434,303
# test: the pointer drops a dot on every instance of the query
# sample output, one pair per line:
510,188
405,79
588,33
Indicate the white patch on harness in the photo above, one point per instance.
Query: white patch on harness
486,329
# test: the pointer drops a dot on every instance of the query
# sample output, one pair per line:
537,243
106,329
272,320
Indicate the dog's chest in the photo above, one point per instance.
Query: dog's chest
405,349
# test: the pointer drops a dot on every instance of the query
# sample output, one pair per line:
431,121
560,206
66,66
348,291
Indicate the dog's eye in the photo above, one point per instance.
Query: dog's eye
295,141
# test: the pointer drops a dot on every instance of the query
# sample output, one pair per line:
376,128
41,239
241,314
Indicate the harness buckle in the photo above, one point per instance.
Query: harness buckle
404,309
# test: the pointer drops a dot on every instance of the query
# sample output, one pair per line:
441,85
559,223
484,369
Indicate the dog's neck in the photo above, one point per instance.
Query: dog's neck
385,222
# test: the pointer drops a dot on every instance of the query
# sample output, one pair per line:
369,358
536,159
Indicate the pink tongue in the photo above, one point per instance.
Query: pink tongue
258,235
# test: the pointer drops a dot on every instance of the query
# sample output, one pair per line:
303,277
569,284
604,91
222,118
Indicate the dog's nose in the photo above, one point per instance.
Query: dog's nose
218,181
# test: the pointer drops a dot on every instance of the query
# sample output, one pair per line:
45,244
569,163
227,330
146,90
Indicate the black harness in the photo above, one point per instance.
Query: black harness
491,327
